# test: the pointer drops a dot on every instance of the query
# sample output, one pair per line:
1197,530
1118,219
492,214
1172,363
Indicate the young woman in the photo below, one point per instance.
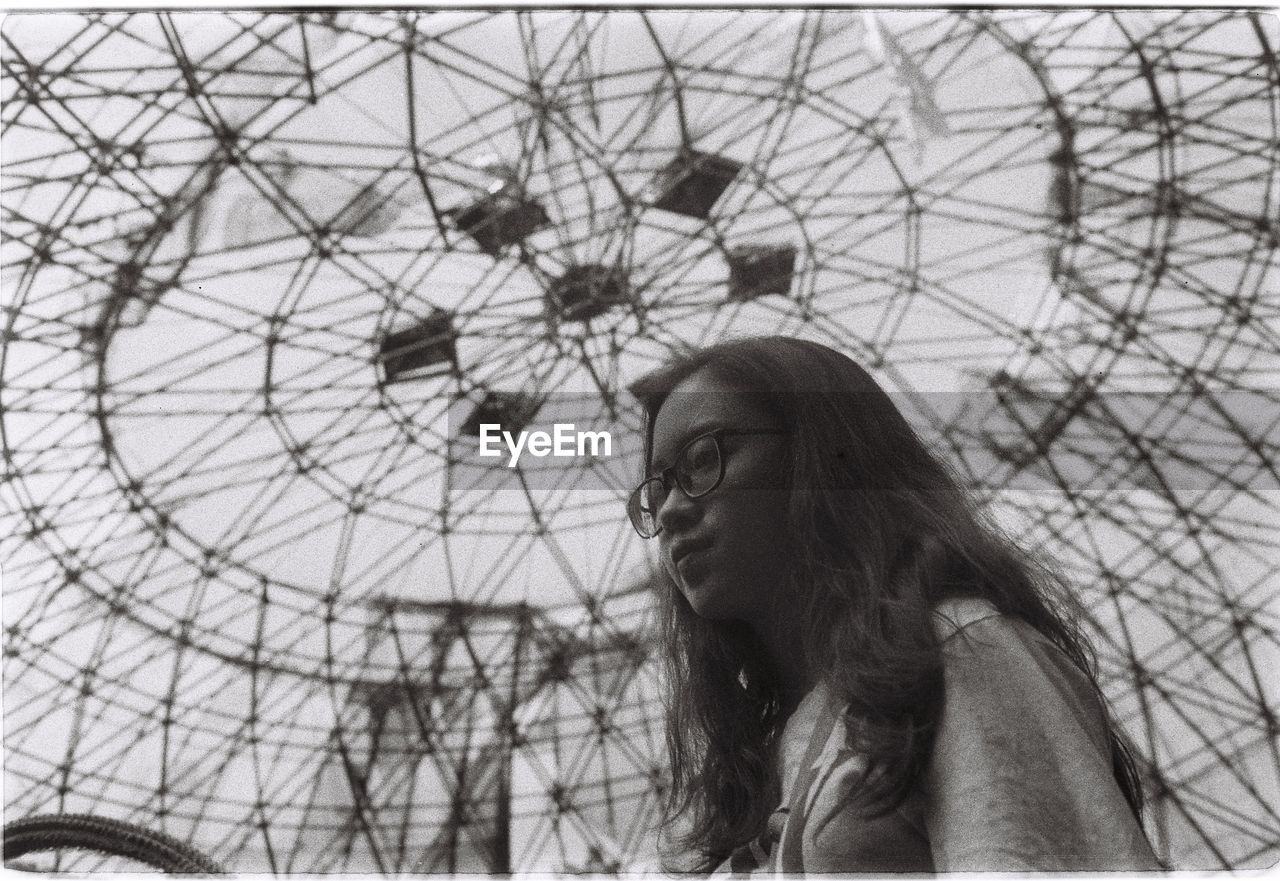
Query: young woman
866,675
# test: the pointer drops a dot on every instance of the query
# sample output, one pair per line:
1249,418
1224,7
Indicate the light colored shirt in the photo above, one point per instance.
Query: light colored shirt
1020,778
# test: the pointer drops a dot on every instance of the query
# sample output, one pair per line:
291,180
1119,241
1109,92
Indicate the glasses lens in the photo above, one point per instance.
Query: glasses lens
643,507
698,469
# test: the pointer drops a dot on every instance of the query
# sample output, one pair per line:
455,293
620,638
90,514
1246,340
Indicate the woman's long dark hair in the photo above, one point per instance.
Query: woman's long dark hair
880,532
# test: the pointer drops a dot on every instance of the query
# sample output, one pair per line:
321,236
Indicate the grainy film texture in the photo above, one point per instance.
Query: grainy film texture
258,594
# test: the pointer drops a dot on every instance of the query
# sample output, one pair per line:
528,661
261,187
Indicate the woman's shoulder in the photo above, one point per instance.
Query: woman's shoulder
1002,666
954,615
968,626
1021,775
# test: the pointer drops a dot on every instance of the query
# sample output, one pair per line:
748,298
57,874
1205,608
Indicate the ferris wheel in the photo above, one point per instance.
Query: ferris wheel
266,274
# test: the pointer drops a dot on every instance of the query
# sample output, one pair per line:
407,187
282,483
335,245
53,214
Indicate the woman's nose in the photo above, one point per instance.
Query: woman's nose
677,511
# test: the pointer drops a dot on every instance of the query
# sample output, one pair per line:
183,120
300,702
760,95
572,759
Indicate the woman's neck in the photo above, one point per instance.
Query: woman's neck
786,657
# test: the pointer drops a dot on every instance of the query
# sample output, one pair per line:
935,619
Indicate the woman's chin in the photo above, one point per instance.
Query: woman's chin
705,599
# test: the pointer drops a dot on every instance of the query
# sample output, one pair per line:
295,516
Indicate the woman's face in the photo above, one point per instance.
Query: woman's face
726,550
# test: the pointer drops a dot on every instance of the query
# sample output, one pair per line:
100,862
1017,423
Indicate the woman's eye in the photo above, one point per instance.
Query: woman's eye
700,457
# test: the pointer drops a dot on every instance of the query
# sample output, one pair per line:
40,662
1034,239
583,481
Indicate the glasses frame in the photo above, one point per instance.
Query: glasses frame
669,475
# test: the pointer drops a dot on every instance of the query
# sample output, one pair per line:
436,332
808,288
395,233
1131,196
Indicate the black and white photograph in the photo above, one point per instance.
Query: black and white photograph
640,441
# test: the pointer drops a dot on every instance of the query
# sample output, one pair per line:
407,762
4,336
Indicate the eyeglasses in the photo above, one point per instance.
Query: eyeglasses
698,469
